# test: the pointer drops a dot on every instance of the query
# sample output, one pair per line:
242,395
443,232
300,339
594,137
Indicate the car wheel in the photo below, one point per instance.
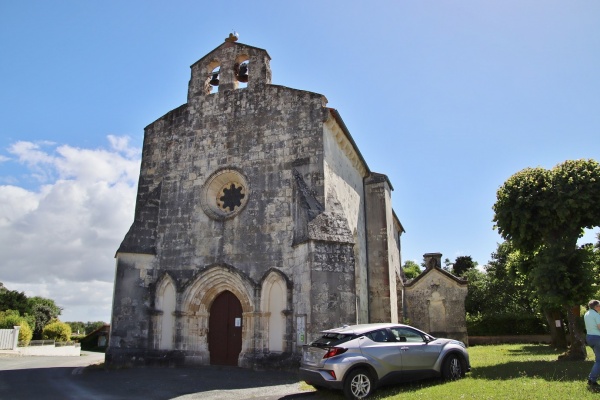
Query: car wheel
452,368
359,384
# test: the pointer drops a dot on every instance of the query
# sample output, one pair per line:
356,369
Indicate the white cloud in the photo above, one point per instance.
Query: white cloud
58,241
15,202
31,155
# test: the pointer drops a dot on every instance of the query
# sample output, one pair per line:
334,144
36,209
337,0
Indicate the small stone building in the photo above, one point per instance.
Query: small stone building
435,301
257,224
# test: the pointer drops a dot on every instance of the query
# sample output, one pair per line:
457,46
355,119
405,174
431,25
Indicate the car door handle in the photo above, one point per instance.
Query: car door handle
404,348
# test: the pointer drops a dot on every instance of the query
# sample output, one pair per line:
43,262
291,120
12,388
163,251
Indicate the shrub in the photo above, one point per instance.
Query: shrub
25,333
506,324
59,331
8,320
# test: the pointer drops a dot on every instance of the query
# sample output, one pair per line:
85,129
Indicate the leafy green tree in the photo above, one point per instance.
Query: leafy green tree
447,265
411,269
92,326
543,213
59,331
479,299
77,327
55,310
462,265
13,300
499,300
44,311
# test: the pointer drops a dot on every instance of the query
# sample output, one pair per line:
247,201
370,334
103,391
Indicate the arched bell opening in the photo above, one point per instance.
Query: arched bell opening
242,71
213,78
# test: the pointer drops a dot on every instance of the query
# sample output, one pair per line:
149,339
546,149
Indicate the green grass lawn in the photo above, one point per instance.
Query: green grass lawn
512,372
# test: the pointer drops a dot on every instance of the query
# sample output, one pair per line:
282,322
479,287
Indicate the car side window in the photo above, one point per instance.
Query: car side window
379,336
407,335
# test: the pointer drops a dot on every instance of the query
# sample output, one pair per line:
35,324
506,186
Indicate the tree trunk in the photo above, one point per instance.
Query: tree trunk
558,335
577,351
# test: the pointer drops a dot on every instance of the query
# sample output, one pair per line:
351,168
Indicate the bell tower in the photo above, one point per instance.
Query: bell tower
230,66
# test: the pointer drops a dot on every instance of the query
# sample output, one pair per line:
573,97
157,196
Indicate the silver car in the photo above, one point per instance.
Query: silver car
360,358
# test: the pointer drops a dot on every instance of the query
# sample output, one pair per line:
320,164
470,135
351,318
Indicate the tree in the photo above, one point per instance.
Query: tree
77,327
479,296
543,213
505,290
511,268
13,300
37,300
44,311
92,326
411,269
499,302
462,265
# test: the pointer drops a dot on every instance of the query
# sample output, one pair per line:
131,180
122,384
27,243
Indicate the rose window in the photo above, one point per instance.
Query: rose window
225,194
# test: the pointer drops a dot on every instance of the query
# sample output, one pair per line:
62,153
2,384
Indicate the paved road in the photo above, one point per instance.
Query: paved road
12,361
78,378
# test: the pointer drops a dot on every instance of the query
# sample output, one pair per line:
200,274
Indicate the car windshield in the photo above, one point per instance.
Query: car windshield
332,339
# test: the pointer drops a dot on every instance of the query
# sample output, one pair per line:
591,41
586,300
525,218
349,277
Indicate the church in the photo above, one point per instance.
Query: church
258,223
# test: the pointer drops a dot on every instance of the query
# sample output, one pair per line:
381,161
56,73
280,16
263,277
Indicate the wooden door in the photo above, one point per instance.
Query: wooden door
225,330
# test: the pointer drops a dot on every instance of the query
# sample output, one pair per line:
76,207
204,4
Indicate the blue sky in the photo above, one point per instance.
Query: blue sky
448,98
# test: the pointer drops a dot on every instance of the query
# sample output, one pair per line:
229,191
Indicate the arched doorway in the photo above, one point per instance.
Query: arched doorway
225,329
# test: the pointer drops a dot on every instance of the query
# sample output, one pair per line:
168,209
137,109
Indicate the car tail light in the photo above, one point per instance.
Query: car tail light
332,373
334,351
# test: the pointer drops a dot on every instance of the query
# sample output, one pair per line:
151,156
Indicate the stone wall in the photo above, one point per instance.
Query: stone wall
344,180
436,301
382,250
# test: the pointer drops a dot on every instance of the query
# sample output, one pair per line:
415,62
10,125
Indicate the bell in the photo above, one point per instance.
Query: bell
243,73
215,79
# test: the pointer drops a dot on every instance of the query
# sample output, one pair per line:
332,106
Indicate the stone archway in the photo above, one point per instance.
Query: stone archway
197,301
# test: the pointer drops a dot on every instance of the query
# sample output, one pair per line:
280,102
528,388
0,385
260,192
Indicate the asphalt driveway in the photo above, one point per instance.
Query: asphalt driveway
46,378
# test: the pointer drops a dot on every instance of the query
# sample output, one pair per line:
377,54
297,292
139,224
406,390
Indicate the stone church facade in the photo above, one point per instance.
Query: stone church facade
257,224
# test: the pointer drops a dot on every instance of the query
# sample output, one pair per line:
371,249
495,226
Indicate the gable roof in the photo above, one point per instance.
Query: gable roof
460,281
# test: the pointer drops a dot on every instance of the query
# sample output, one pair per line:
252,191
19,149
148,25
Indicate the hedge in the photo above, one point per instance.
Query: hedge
493,325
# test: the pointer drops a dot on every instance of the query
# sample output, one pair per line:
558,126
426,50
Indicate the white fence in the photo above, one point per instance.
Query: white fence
9,338
52,349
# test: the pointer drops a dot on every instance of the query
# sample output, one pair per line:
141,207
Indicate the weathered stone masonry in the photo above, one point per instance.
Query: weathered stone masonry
256,192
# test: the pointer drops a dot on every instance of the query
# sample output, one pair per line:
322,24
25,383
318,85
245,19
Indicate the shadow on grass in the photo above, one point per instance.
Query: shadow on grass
534,350
547,370
551,371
